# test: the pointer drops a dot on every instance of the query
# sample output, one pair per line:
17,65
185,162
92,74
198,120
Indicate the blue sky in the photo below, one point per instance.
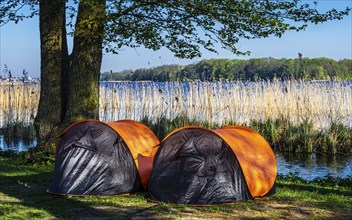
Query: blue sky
20,46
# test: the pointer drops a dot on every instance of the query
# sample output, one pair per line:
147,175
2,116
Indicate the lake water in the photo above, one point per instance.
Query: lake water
306,166
17,145
311,166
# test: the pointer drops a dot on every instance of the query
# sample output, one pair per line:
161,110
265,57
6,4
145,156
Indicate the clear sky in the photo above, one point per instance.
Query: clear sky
20,46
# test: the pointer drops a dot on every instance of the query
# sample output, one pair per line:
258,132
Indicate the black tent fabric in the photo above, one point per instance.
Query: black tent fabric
195,166
92,159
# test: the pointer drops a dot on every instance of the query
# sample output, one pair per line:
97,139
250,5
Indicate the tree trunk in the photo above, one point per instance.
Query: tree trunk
83,99
53,55
65,67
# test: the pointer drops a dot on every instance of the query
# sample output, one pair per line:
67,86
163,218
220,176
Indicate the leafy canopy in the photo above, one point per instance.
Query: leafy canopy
184,26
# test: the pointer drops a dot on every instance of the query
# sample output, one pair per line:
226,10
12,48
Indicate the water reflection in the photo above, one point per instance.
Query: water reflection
306,166
17,145
311,166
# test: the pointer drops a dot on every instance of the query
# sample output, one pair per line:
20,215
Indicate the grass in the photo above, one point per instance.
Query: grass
280,133
303,138
23,196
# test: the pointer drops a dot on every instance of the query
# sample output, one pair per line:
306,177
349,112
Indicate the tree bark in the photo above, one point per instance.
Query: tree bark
53,56
86,58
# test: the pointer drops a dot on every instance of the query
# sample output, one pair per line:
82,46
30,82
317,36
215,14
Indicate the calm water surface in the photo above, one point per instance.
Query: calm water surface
17,145
311,166
306,166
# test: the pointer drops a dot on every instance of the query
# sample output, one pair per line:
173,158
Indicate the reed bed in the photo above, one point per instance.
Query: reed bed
293,116
18,103
18,107
322,103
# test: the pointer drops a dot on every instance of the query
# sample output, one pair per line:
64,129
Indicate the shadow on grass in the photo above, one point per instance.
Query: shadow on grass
24,192
315,188
23,196
333,201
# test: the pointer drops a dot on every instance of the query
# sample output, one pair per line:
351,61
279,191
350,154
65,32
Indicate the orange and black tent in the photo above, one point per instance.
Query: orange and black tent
97,158
198,166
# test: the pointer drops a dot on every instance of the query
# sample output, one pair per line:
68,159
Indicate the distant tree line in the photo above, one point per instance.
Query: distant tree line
235,69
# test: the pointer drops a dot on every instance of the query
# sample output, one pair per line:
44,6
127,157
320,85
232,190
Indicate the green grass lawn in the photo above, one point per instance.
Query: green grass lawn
23,196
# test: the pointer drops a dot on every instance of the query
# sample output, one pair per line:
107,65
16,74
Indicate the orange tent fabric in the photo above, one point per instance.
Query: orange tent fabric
254,154
142,143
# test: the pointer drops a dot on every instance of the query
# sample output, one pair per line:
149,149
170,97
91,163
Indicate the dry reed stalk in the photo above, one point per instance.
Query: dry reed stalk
240,102
18,103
